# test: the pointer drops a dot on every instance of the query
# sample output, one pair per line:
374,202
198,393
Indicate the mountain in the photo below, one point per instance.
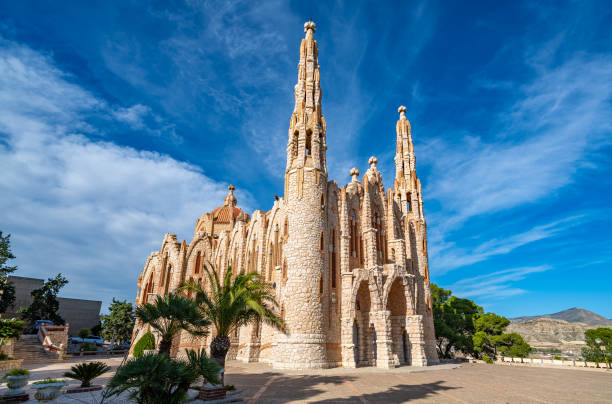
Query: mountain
573,315
563,330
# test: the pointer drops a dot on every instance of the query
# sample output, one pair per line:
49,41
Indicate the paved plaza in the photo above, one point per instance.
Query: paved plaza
449,383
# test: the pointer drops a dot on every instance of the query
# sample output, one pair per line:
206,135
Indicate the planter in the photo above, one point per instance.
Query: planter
48,392
212,393
83,389
16,384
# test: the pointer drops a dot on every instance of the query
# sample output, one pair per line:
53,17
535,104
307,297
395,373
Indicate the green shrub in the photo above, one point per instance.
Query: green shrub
10,328
84,333
487,359
147,341
203,365
17,372
4,357
88,346
153,379
558,358
86,372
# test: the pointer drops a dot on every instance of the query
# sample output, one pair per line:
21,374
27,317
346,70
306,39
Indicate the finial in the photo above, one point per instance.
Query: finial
355,173
309,25
402,112
230,198
372,161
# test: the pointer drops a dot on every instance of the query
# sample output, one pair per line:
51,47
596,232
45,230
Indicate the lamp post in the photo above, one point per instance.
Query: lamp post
603,351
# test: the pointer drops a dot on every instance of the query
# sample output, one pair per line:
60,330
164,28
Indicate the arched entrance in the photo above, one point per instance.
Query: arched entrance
397,305
405,347
362,332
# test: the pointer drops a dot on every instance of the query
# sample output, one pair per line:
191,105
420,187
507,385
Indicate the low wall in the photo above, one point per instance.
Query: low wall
9,347
550,363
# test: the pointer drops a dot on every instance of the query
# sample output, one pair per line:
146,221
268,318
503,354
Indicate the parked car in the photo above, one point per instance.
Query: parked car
94,339
34,329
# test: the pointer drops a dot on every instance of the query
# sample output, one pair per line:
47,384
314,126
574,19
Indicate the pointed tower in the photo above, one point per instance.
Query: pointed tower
407,191
304,345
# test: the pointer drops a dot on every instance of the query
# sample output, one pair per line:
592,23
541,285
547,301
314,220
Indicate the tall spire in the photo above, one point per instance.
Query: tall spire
404,153
405,186
306,145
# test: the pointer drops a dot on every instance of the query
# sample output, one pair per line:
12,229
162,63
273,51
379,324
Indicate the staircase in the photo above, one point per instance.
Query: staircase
29,348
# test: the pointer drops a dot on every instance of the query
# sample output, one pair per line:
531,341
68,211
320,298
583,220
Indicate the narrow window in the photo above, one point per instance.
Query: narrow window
333,259
296,137
308,142
198,263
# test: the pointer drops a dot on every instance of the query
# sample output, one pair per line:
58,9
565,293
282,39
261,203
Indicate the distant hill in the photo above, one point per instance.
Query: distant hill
573,315
563,330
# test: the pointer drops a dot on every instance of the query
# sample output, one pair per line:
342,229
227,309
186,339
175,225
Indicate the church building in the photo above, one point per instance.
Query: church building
348,263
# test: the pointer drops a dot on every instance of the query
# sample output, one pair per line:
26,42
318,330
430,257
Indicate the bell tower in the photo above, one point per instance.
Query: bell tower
304,345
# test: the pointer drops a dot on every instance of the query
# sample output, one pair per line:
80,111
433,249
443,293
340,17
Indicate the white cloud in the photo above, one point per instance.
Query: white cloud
553,129
133,116
91,210
496,284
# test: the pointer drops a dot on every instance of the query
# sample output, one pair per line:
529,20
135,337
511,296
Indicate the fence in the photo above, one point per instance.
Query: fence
553,362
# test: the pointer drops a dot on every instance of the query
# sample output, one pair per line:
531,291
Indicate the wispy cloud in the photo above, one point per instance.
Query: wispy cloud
499,284
449,256
92,210
558,121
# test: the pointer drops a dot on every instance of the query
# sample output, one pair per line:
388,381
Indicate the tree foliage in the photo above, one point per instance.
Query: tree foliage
491,323
595,339
461,326
232,302
10,328
84,333
119,323
146,342
453,322
171,314
44,302
7,289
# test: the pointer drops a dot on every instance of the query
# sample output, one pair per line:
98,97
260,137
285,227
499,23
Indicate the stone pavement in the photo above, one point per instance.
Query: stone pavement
465,383
449,383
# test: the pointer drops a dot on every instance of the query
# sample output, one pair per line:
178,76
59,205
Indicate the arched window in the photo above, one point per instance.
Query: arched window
322,202
284,272
286,227
198,263
353,225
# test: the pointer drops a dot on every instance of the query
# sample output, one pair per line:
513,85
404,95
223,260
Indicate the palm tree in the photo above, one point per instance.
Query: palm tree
238,301
171,314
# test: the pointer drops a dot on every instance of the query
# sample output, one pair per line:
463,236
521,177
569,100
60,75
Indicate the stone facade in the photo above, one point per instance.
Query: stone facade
348,264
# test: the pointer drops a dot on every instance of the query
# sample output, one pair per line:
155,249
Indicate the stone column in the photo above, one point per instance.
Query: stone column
384,341
414,328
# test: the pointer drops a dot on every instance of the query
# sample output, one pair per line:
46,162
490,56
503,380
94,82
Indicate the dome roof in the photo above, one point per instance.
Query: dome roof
224,214
229,211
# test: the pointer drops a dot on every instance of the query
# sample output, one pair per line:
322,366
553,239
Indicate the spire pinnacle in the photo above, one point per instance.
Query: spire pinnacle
402,111
309,28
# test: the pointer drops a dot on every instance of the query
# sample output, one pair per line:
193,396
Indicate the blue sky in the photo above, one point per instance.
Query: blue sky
120,121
